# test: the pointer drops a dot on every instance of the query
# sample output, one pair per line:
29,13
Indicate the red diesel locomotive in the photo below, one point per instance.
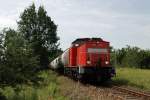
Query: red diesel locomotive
87,58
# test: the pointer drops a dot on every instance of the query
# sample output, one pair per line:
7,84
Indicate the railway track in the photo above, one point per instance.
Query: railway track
100,92
122,93
128,94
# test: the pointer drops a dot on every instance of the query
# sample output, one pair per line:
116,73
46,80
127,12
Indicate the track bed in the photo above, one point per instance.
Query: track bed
76,90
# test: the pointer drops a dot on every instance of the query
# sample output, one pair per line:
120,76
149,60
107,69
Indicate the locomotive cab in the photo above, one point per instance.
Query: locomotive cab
93,59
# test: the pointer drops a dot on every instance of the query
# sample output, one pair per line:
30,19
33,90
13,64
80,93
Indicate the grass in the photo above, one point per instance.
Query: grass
46,90
139,78
49,87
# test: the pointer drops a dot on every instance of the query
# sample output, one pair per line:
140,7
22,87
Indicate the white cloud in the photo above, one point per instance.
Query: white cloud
7,22
120,22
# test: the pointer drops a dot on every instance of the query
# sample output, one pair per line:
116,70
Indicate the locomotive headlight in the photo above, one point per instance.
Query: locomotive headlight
88,62
76,45
106,62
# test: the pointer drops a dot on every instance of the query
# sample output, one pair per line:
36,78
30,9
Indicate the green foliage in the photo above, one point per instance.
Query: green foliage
38,28
46,90
1,47
131,57
18,64
24,52
27,23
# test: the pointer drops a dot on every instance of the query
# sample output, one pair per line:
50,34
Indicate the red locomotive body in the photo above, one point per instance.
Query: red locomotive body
93,53
88,58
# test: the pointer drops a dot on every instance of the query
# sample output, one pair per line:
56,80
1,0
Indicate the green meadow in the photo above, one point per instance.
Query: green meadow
139,78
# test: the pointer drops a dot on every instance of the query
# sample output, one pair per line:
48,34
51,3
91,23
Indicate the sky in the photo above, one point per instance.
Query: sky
121,22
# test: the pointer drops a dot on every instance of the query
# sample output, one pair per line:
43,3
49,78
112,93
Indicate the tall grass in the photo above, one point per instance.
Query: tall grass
46,90
133,77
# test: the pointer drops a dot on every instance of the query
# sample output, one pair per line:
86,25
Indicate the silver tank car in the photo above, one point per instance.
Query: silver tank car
60,61
55,63
65,58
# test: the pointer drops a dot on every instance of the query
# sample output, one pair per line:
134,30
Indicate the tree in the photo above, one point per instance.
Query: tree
144,56
120,55
38,28
131,57
1,47
28,23
1,52
19,65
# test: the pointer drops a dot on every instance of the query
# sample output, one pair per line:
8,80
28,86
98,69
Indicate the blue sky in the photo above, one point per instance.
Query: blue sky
122,22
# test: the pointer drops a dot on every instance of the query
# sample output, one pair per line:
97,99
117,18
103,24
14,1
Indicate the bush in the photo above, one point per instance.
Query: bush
131,57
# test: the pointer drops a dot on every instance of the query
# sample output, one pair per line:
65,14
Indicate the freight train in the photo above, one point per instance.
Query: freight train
86,59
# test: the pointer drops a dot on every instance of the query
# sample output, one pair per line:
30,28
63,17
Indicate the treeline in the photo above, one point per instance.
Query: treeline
131,57
28,49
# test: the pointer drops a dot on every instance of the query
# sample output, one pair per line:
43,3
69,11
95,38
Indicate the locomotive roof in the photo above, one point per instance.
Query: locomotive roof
82,40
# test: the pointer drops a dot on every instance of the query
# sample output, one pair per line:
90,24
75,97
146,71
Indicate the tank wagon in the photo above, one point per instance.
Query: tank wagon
87,58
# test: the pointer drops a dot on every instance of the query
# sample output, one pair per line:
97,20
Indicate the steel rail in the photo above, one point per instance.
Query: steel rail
132,92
